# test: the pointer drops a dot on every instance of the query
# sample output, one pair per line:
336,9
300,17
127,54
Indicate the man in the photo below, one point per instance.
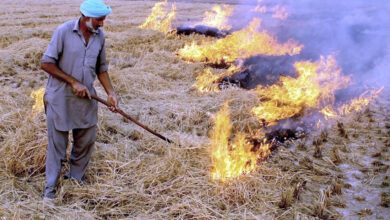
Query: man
74,57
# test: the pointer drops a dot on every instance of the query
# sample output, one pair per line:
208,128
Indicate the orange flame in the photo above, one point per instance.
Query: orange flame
160,19
312,89
355,105
279,12
358,103
328,112
38,106
231,160
206,80
218,17
319,123
240,44
259,8
314,86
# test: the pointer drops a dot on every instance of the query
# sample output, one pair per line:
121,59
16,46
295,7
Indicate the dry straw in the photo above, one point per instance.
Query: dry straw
132,174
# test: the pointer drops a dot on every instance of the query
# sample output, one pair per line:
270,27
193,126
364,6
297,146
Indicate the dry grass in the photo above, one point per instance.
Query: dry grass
134,174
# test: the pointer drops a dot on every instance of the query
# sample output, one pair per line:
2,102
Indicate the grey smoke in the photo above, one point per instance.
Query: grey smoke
356,32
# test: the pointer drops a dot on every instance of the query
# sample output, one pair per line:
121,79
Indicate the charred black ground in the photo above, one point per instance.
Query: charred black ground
262,70
202,30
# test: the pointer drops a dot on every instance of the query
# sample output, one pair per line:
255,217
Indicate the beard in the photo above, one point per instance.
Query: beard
90,26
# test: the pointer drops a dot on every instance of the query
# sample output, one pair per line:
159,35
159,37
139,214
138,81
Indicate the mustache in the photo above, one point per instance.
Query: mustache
90,26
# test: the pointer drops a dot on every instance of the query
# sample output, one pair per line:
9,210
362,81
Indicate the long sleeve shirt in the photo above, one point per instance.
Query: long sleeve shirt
69,51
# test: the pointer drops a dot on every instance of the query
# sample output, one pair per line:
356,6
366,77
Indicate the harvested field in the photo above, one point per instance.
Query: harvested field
338,171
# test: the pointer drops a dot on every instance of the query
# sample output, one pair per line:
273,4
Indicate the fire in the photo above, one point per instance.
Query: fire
206,80
240,44
160,19
259,8
218,17
358,103
312,90
328,112
355,105
231,160
319,123
314,87
279,12
38,106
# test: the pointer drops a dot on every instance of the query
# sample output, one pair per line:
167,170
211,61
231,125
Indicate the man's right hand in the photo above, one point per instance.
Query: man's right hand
80,90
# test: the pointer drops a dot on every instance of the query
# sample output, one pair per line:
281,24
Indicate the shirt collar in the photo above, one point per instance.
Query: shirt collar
77,28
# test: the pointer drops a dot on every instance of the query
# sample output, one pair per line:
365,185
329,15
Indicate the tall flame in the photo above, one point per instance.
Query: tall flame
218,17
38,106
313,88
240,44
160,19
230,160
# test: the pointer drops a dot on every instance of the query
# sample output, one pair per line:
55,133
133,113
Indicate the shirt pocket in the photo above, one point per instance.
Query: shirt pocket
91,62
92,55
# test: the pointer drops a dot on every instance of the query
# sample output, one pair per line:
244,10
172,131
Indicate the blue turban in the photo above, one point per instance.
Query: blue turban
94,8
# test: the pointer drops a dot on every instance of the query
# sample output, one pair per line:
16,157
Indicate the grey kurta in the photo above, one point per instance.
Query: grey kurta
68,50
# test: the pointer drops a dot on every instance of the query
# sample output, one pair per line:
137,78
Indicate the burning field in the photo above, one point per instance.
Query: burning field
276,111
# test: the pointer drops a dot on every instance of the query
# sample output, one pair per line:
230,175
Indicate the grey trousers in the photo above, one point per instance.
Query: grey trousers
83,144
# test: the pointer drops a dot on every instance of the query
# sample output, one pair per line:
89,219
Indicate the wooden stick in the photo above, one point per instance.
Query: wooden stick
132,119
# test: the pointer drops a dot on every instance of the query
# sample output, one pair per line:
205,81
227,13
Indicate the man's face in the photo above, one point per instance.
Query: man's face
94,23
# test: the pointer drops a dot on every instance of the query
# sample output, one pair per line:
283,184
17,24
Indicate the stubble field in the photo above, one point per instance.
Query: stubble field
335,172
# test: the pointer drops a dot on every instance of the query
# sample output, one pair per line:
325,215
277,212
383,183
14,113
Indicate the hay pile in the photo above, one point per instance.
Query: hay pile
136,175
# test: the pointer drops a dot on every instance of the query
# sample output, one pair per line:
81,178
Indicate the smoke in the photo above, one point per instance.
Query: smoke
355,32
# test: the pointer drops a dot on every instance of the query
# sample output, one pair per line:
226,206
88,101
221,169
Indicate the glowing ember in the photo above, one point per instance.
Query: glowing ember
218,17
230,160
240,44
313,88
160,19
38,106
